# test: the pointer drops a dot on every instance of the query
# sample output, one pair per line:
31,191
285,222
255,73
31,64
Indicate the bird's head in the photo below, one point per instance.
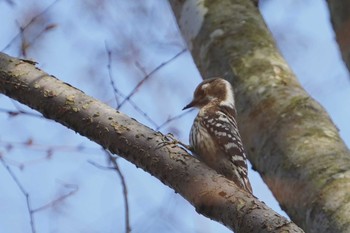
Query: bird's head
212,91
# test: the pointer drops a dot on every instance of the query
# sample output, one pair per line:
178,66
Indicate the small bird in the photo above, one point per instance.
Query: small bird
214,136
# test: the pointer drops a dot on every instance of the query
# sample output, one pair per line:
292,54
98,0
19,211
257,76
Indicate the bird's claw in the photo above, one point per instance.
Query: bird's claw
169,139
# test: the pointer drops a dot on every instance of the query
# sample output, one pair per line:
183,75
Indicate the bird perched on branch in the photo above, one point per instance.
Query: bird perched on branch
214,136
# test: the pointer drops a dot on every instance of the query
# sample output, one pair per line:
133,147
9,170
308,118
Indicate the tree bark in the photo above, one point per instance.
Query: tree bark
340,17
211,194
290,139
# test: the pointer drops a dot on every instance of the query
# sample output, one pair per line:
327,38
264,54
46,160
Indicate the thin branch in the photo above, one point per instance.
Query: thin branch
36,146
26,43
125,190
147,76
115,167
24,192
118,92
23,40
49,151
170,119
100,166
140,111
75,188
12,113
115,89
22,29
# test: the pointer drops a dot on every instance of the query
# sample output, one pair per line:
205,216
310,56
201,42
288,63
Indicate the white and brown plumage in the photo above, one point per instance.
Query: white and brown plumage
214,135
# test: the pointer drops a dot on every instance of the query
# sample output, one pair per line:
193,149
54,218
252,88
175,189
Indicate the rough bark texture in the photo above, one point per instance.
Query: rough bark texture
290,139
340,16
211,194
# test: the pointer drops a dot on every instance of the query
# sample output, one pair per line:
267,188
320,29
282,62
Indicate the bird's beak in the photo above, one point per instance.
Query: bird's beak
190,105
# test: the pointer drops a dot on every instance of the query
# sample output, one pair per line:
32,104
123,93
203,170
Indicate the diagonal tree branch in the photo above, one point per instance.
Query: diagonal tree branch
211,194
290,138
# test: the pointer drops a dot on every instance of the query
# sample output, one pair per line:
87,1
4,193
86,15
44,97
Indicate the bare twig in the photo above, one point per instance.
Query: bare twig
144,114
170,119
117,92
100,166
35,146
24,192
59,199
44,30
24,43
125,190
147,76
12,113
49,150
115,89
115,167
22,29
